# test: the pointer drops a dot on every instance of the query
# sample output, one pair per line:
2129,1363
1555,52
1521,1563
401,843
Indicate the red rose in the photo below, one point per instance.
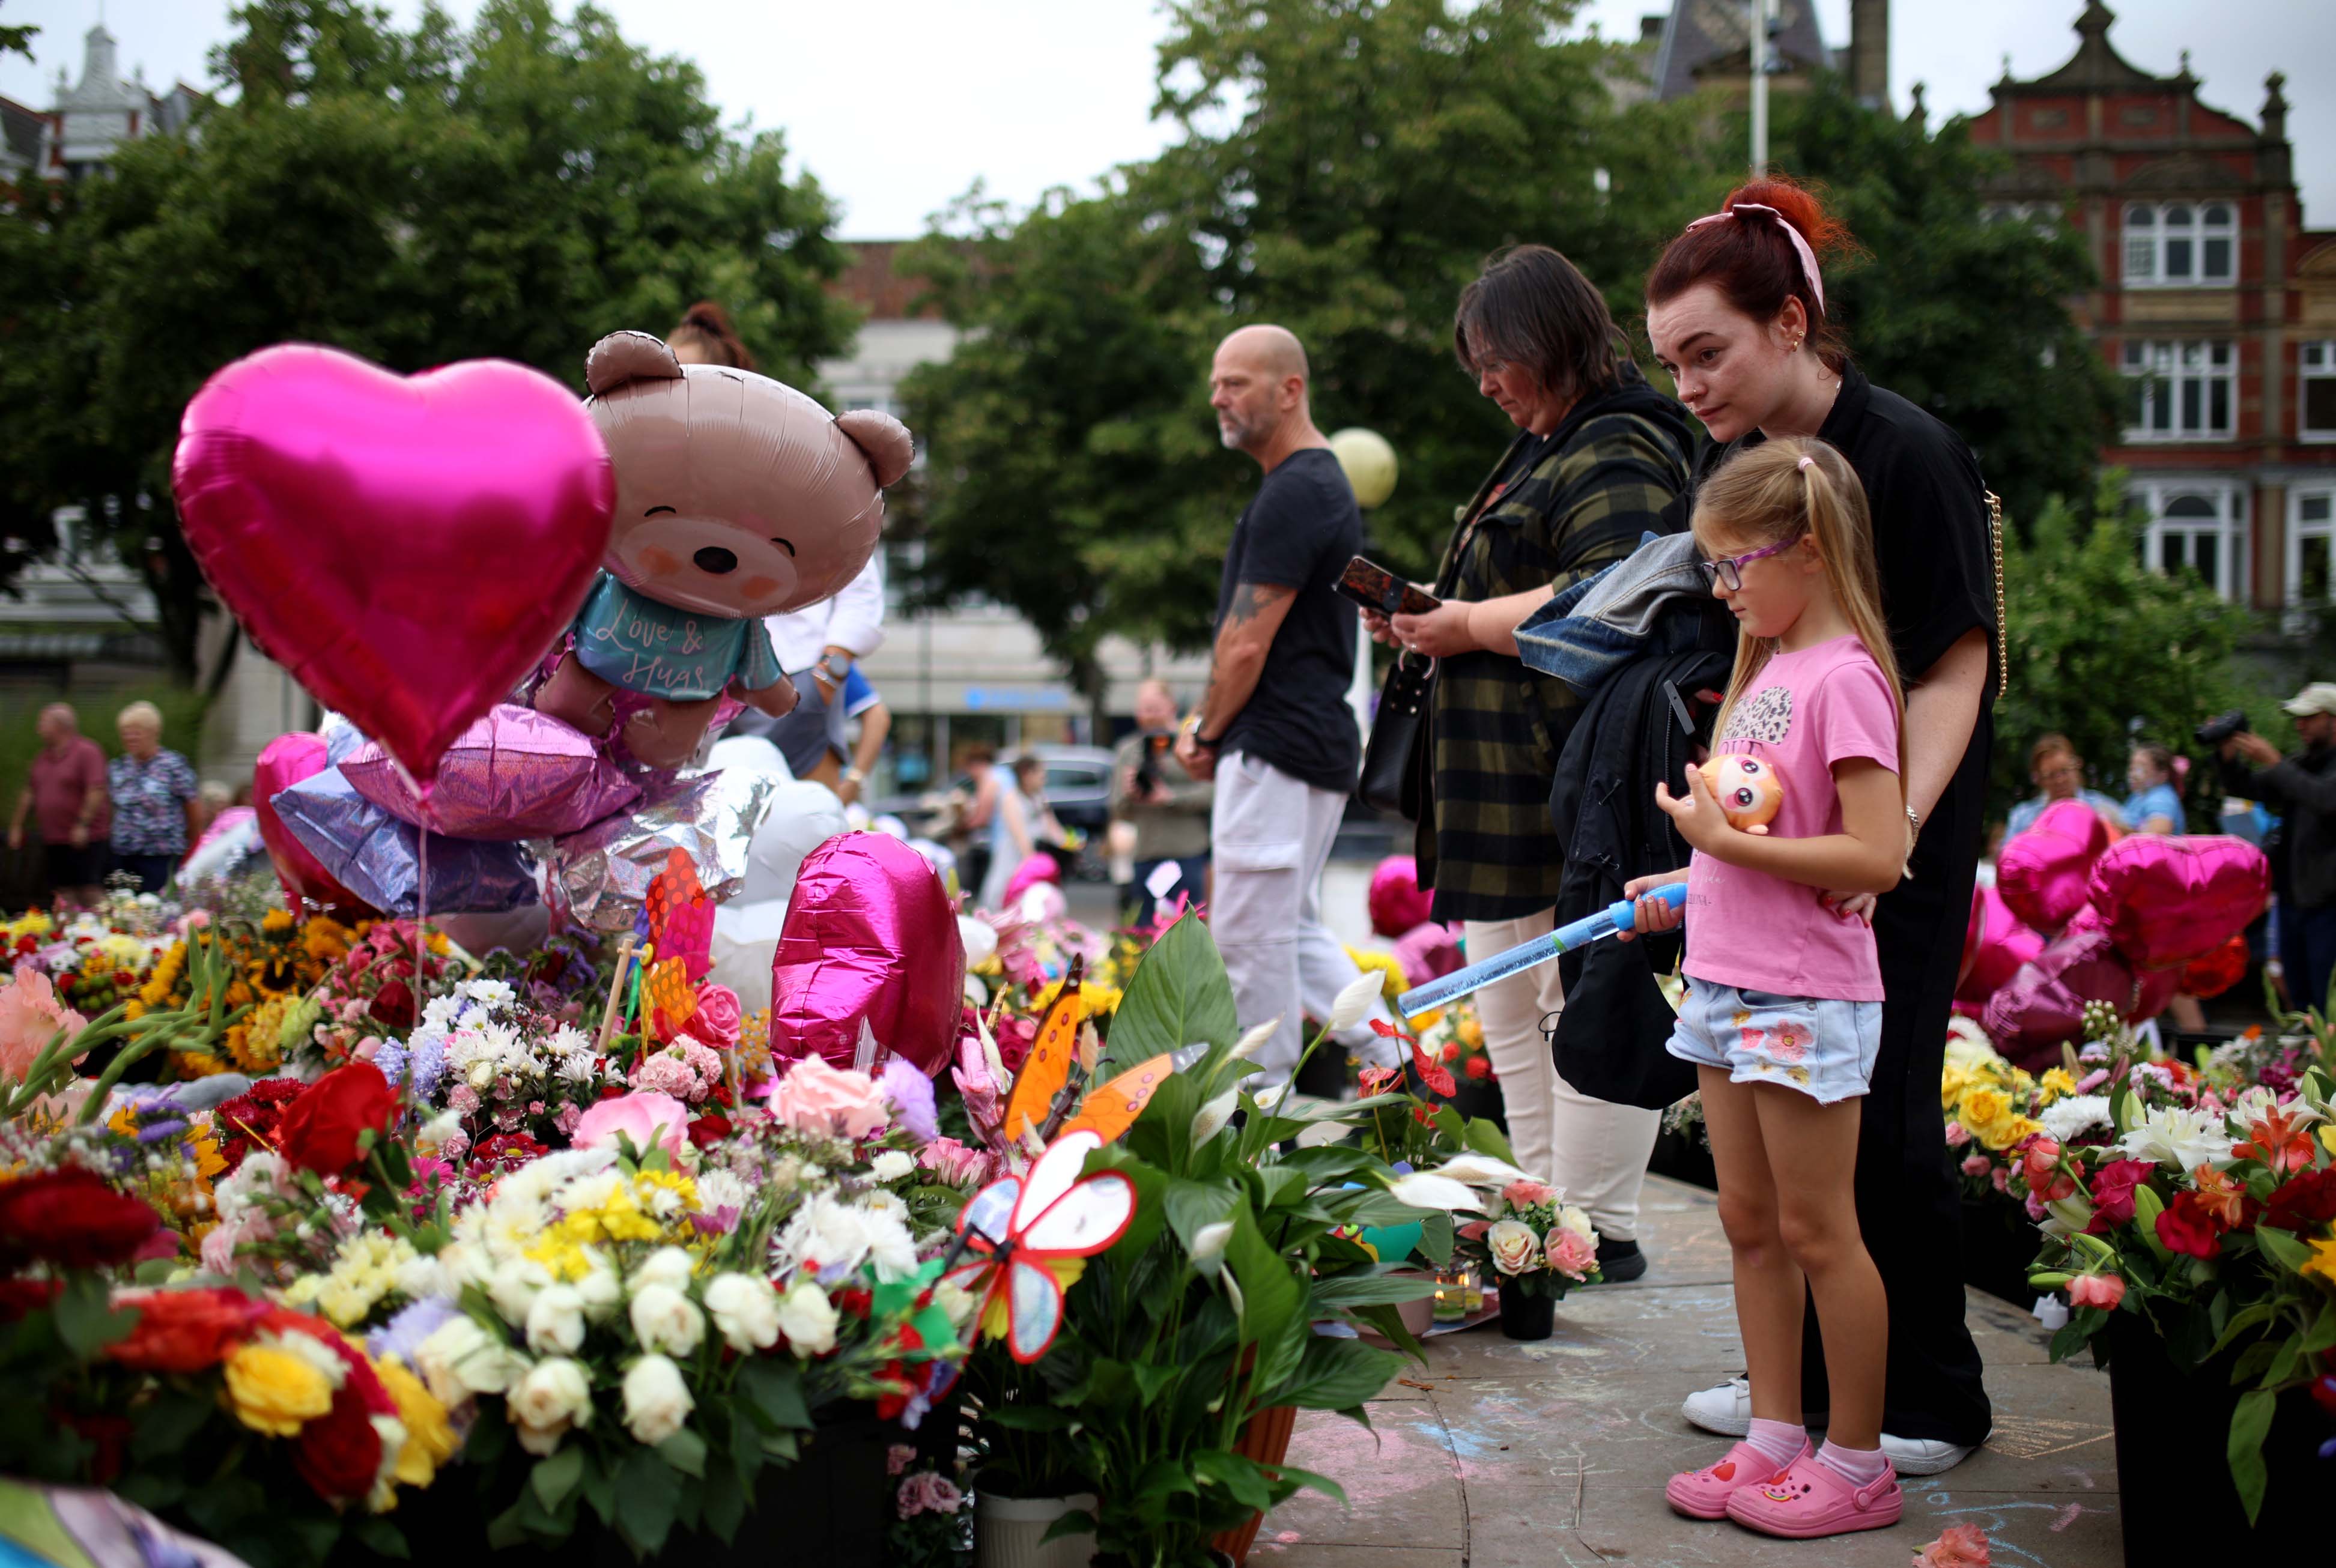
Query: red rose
18,1297
340,1453
709,1130
2303,1201
184,1331
2113,1186
1479,1067
320,1129
2186,1227
393,1006
70,1217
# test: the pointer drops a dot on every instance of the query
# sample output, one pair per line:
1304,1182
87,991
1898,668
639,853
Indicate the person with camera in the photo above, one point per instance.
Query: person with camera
1156,795
2302,789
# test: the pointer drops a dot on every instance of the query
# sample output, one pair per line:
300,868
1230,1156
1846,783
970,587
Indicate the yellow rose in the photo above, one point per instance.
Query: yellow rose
430,1439
1953,1082
2054,1084
275,1391
1984,1113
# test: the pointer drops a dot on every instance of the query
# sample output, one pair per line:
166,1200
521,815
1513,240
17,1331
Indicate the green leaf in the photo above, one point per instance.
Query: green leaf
2146,1206
85,1319
1363,1290
1485,1138
380,1536
685,1451
1179,995
2282,1248
775,1390
645,1500
2320,1336
726,1505
1237,1474
2250,1424
1313,1482
1334,1374
556,1475
1437,1236
2242,1320
1273,1302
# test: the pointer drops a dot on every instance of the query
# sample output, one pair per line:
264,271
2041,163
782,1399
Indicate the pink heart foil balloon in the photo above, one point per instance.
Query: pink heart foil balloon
870,936
2044,1003
2044,874
1995,944
516,774
407,547
283,763
2169,901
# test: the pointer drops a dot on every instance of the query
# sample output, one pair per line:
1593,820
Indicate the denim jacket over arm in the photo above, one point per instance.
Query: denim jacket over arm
1592,628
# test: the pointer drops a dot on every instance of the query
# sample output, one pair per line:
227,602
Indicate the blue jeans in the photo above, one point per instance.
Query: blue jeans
2307,951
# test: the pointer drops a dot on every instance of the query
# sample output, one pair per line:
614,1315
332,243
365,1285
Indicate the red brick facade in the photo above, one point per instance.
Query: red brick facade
2217,304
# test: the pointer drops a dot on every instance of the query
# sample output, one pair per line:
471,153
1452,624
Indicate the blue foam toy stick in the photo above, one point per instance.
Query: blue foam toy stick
1620,916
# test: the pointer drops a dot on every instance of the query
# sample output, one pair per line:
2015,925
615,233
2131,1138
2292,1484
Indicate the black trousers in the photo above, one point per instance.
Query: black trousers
1909,1199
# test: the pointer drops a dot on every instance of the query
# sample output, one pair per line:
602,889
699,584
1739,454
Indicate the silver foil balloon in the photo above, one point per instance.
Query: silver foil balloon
600,876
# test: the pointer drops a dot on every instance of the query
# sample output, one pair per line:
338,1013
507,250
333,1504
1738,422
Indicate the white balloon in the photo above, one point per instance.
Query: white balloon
801,817
224,852
980,938
941,857
745,940
889,824
521,931
750,753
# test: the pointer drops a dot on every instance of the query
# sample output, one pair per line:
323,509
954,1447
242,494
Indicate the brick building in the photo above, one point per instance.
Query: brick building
2217,304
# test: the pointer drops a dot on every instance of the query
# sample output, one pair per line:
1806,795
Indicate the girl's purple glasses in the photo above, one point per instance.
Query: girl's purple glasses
1729,568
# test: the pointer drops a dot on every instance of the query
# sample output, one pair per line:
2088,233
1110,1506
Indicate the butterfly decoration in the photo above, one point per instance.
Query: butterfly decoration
1110,1109
680,916
1033,1233
1048,1066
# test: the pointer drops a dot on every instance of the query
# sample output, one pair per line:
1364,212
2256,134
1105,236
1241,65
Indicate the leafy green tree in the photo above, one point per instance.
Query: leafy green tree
517,188
2107,650
1967,318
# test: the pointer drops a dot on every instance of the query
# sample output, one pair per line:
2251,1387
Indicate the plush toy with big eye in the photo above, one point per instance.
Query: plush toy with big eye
1748,789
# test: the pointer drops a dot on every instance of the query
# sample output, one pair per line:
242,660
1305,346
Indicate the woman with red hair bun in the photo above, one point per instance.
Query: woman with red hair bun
1737,312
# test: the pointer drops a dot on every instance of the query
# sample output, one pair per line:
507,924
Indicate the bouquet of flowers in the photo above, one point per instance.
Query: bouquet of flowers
2212,1221
502,1067
1994,1108
368,993
274,961
1532,1240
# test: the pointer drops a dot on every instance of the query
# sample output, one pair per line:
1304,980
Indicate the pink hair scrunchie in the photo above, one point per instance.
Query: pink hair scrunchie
1800,242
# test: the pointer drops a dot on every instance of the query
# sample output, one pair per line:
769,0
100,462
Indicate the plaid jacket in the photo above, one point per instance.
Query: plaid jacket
1600,482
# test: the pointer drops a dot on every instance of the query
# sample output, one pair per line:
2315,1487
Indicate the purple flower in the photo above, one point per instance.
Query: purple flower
912,1093
390,1058
404,1334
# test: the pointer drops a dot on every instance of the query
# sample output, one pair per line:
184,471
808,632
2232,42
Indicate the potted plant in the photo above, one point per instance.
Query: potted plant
1026,1476
1534,1244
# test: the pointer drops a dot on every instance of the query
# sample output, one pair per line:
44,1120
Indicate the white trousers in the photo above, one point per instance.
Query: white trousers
1270,836
1595,1150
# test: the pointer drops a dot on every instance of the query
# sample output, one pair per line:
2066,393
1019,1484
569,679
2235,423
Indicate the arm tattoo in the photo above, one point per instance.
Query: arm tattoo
1249,601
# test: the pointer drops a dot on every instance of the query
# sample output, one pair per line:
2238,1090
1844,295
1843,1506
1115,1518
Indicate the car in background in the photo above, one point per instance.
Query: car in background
1078,792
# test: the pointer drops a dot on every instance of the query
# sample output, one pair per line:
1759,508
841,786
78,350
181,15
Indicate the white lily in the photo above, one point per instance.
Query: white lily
1480,1170
1208,1243
1322,1133
1426,1190
1269,1099
1354,1003
1249,1044
1210,1118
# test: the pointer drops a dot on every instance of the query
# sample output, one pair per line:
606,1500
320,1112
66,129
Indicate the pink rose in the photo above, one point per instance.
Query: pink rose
897,1457
955,1164
1975,1165
927,1491
30,1013
718,1016
1525,1194
1572,1253
2102,1290
814,1097
1957,1134
1962,1547
645,1118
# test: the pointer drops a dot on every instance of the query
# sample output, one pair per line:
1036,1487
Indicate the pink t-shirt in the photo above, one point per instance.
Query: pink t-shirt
1804,712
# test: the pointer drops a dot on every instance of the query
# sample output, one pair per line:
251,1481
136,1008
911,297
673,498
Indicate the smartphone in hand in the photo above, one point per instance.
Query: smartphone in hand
1374,587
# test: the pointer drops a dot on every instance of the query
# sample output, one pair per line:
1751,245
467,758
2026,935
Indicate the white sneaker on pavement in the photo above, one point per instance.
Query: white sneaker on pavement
1922,1456
1726,1407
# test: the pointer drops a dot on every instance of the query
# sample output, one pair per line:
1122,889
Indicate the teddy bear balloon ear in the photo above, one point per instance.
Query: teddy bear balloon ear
883,438
623,356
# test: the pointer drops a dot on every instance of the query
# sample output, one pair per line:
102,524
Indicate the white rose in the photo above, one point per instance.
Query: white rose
746,1308
555,1395
890,1165
514,1286
461,1359
555,1324
602,1288
1515,1249
808,1320
665,1319
1576,1221
665,1266
417,1279
482,1072
657,1401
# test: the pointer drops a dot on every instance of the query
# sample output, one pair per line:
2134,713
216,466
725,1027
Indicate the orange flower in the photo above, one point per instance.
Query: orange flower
2223,1200
2277,1138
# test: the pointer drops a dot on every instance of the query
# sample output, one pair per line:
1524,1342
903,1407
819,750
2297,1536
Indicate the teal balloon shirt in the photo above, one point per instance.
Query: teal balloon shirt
633,641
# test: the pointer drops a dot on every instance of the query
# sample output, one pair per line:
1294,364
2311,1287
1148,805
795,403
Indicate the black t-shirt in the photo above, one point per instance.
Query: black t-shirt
1299,532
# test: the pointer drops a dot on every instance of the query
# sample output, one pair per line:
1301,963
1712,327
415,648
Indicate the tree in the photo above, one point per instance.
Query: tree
516,189
1345,167
2103,648
1966,317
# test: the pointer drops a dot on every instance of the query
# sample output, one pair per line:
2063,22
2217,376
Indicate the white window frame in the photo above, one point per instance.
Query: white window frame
2183,377
2320,500
2160,236
2225,522
2315,361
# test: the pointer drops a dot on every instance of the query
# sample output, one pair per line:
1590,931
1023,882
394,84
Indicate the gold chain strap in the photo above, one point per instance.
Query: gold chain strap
2003,641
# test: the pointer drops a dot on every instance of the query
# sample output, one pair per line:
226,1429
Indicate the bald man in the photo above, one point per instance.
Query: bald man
64,791
1274,730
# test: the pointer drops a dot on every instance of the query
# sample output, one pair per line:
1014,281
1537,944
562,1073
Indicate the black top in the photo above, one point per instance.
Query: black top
1300,531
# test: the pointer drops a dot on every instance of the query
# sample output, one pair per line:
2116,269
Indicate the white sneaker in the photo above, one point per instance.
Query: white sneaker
1922,1456
1726,1407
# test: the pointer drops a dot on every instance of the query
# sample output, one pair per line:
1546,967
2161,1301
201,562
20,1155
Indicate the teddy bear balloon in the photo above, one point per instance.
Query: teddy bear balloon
1749,791
737,496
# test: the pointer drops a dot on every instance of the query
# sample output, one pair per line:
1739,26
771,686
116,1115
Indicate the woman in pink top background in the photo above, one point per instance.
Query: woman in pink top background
1782,1015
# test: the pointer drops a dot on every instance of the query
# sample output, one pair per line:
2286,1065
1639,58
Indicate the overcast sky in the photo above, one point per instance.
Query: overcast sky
899,106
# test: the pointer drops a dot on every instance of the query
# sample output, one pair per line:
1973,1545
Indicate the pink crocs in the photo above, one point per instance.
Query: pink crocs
1703,1494
1810,1499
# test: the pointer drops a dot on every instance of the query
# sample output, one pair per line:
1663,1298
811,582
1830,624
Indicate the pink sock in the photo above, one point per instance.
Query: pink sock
1779,1442
1858,1466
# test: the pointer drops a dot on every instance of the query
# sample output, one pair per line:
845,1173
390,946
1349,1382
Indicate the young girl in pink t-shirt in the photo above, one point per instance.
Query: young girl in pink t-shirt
1783,1013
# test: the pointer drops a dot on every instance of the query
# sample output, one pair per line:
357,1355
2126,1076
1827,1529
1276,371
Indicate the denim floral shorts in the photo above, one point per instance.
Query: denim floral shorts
1824,1049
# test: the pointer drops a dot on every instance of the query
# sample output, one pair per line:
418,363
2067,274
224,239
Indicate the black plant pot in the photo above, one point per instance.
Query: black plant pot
2176,1501
2000,1244
1525,1317
1684,1157
1479,1101
832,1502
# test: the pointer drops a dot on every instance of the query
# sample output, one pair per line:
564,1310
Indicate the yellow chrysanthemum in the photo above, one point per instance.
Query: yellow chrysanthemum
274,1391
1393,981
